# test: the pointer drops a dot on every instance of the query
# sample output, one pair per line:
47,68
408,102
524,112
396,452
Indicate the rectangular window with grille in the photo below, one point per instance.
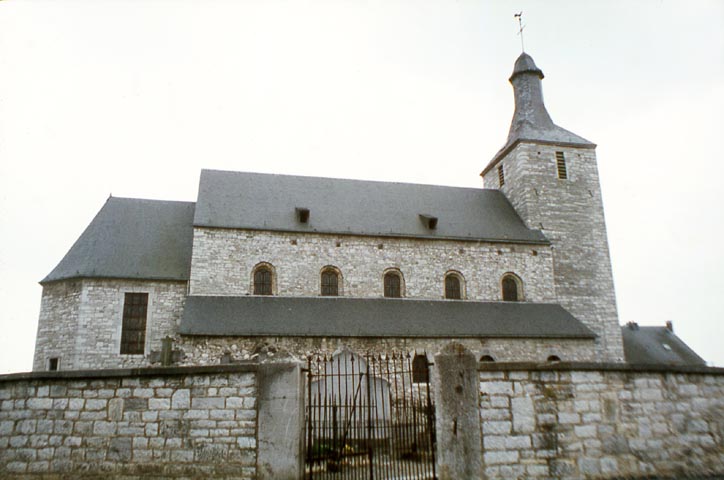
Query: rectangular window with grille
501,175
561,164
133,333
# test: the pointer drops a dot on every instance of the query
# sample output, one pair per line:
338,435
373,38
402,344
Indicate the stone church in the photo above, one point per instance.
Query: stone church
262,264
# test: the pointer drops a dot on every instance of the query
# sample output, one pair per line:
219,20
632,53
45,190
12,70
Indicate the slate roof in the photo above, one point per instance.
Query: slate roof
531,121
132,239
375,317
645,346
337,206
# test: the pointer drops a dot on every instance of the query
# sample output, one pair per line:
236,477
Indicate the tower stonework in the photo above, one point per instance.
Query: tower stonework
550,175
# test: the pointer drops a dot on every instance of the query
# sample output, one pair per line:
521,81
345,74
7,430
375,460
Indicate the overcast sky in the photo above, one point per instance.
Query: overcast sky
133,98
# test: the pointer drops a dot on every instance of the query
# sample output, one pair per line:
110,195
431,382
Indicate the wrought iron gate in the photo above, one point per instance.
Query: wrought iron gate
369,417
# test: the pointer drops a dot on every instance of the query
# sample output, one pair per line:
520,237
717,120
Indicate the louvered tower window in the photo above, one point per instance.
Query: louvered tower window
133,333
501,175
561,165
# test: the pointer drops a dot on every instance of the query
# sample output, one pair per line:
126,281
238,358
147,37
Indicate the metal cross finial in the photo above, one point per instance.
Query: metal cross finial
519,16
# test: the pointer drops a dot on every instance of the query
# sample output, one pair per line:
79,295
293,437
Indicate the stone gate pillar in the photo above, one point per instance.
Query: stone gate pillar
456,385
281,421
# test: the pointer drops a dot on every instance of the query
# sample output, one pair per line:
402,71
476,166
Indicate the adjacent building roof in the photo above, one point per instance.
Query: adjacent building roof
132,239
336,206
656,346
375,317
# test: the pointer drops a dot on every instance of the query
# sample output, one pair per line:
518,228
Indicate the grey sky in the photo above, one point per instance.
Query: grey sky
133,98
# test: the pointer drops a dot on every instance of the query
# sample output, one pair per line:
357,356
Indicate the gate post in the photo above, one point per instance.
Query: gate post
456,386
280,422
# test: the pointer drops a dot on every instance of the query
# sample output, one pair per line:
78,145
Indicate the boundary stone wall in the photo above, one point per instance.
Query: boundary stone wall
572,421
180,422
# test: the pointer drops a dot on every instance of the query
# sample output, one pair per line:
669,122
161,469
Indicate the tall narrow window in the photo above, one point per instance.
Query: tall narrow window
452,287
330,283
420,369
393,285
133,333
511,288
501,175
561,164
263,281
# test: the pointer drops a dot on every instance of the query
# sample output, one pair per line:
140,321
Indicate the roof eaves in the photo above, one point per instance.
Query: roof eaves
542,241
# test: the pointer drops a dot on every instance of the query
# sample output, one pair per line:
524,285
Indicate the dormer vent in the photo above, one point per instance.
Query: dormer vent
302,214
429,221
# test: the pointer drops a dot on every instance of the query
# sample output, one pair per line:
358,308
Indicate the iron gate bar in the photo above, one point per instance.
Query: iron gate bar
385,431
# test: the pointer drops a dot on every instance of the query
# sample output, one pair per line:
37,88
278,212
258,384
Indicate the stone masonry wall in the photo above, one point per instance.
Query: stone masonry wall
573,423
80,322
223,261
570,213
214,350
58,324
163,425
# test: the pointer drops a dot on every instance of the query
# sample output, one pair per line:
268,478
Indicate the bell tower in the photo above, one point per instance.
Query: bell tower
550,175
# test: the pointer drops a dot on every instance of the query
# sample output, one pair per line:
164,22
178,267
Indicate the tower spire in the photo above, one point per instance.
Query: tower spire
531,121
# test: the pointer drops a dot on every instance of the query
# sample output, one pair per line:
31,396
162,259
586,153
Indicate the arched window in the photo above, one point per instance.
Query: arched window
512,288
393,284
554,358
420,369
487,358
330,282
453,286
263,279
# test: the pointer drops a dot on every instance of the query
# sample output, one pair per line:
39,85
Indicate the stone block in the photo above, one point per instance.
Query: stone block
497,388
105,428
589,466
569,418
517,442
585,431
39,403
6,427
523,414
159,403
120,449
497,427
494,442
502,457
181,399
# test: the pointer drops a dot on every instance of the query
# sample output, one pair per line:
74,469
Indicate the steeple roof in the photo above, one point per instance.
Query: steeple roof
531,121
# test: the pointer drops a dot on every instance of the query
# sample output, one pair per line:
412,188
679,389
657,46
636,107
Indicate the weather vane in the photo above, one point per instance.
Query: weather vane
519,16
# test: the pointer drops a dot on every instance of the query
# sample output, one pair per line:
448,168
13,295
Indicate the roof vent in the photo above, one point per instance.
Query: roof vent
302,214
429,221
632,325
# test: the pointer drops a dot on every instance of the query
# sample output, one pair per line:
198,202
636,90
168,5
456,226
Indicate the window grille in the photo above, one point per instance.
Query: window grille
392,285
501,175
452,287
561,164
133,334
330,283
263,281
